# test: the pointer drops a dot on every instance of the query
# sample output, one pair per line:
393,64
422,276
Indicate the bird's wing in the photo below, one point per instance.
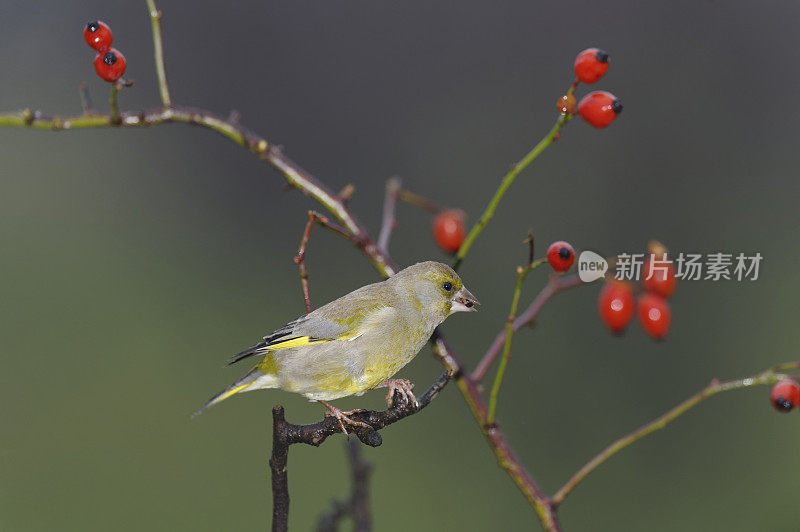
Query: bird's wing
338,320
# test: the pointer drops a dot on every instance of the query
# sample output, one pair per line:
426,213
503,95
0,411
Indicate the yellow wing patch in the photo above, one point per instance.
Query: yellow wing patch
302,341
297,341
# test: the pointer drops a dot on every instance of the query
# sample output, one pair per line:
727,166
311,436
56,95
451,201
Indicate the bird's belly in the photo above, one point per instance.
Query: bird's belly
341,368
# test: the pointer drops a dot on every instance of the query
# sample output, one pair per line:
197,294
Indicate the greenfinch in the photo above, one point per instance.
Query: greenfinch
357,342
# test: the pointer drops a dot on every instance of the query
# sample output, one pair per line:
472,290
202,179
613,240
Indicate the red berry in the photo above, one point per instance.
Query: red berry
110,65
615,305
662,281
560,255
785,395
448,230
654,315
599,108
566,104
98,35
591,64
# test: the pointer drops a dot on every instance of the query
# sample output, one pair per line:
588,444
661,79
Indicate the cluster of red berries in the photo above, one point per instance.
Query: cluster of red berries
616,301
785,395
109,63
598,108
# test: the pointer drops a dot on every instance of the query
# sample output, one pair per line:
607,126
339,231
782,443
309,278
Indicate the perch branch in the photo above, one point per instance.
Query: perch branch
770,376
285,434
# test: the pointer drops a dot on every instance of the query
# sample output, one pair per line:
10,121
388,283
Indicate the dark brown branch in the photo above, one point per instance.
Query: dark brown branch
357,505
285,434
278,464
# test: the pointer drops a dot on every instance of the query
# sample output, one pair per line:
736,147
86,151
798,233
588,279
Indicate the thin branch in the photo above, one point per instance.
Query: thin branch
300,258
112,102
506,458
285,434
522,272
294,175
389,220
158,51
557,284
770,376
508,179
357,505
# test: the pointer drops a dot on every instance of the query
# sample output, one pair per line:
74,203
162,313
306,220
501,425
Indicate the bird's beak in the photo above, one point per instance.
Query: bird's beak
464,301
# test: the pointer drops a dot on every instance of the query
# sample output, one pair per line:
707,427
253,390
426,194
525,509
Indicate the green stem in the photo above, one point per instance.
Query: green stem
112,101
504,184
769,376
155,21
501,368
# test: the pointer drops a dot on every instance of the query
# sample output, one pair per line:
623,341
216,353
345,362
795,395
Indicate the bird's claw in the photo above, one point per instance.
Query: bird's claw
402,387
342,417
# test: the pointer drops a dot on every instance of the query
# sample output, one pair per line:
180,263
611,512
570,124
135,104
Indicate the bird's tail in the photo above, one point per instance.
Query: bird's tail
253,380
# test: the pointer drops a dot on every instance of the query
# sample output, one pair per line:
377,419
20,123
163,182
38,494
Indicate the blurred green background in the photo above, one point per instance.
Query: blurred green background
134,262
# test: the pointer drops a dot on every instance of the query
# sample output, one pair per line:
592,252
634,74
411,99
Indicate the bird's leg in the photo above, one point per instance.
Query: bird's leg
341,417
402,386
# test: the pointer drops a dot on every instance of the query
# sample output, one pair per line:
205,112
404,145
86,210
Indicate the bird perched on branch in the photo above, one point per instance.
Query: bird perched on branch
357,342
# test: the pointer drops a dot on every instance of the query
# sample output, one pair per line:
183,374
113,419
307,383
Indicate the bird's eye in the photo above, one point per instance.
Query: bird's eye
447,285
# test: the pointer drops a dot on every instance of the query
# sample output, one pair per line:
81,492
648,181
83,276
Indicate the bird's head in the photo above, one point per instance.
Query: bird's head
438,289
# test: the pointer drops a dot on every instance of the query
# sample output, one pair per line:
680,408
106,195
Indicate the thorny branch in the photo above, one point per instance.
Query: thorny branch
285,434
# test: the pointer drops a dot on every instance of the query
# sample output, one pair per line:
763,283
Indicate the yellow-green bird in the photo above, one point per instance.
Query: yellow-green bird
357,342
